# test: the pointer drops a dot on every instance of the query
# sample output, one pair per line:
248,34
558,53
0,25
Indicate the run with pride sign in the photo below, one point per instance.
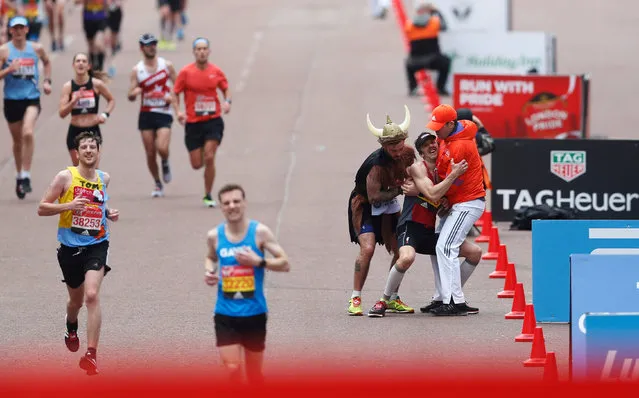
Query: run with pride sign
525,106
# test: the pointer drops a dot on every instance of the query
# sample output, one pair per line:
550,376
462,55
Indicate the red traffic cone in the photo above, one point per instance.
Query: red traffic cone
518,309
550,370
502,263
529,325
493,245
509,283
538,350
486,227
486,215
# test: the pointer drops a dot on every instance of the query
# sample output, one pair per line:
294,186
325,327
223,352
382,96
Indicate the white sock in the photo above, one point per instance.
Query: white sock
393,281
466,269
26,174
356,293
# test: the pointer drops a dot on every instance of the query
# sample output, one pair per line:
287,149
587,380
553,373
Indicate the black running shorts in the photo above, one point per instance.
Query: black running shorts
93,26
248,331
420,237
76,261
196,134
154,121
14,110
74,131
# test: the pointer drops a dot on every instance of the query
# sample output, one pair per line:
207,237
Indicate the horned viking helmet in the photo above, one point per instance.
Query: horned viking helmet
391,132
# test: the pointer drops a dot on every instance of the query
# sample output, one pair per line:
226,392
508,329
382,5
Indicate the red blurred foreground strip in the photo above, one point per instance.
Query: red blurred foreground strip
362,385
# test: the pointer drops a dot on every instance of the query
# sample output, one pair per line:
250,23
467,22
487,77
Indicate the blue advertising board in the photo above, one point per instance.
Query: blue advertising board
598,283
612,346
553,241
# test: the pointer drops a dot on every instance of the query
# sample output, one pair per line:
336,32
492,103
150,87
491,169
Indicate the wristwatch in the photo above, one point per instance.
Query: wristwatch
228,101
262,264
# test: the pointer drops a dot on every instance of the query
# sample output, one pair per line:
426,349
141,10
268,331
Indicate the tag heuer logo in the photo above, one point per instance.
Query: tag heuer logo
568,165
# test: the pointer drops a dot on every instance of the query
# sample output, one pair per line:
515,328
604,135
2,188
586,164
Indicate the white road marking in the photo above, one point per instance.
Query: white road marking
248,63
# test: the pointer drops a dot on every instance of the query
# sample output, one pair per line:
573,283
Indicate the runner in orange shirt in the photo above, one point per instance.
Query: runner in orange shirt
204,127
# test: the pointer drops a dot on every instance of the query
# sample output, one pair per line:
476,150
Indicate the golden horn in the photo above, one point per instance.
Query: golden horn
376,132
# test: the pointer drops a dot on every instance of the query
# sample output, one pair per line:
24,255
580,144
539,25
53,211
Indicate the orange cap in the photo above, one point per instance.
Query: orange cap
441,115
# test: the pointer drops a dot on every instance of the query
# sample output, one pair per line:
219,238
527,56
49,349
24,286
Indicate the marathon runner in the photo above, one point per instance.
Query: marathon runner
81,98
170,23
19,59
55,16
30,9
94,22
199,81
151,78
239,244
83,233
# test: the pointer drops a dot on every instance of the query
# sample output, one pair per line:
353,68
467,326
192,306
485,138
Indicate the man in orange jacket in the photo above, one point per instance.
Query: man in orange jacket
423,35
467,200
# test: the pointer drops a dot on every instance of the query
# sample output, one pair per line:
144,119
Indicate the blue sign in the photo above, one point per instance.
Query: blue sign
553,241
612,346
598,283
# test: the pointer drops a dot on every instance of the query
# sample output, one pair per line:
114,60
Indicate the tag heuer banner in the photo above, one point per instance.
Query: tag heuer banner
529,106
584,175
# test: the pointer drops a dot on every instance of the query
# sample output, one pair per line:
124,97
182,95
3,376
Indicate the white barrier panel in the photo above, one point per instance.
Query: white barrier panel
475,15
501,53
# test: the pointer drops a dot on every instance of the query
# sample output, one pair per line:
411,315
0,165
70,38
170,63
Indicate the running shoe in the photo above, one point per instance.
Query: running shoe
89,363
448,310
180,34
355,306
209,202
26,183
158,192
166,172
20,192
399,306
379,309
433,304
71,340
467,308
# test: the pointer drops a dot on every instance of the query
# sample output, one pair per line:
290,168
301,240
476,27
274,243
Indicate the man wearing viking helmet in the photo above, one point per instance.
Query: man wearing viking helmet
373,208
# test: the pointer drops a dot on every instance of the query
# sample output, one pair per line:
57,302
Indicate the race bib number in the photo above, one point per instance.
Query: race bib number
238,282
88,221
27,68
390,207
87,100
154,99
205,106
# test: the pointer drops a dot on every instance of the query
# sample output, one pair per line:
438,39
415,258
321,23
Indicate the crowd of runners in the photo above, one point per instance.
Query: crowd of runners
447,183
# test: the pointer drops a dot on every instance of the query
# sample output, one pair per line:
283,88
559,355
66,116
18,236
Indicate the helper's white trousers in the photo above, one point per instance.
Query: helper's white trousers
454,229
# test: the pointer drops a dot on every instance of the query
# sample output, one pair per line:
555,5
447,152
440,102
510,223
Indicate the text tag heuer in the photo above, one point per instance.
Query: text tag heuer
568,165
